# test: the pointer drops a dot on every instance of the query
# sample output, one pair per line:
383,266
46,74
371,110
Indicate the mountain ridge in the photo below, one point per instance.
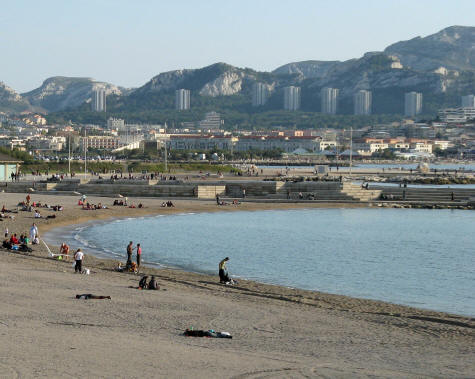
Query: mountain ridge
414,64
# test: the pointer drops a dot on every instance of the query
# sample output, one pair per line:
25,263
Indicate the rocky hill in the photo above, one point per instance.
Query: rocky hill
11,101
452,48
441,66
307,69
60,92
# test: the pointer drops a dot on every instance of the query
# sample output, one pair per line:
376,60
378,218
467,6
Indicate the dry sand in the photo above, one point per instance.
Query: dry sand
277,332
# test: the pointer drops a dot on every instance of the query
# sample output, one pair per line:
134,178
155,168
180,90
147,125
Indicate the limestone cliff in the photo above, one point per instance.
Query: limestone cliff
59,92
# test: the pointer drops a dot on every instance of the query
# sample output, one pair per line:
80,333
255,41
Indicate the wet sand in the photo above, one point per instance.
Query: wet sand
277,331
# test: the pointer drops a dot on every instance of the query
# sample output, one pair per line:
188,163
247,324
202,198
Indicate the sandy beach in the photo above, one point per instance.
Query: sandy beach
277,332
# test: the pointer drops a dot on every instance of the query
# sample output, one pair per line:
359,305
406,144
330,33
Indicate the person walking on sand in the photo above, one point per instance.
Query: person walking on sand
129,255
78,256
139,255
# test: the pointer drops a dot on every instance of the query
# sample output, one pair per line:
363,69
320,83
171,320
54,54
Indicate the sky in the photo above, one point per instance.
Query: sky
129,42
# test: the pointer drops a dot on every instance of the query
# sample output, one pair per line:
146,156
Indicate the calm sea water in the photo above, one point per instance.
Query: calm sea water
421,258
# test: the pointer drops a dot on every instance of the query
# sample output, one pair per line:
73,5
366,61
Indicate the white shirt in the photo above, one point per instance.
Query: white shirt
78,256
33,232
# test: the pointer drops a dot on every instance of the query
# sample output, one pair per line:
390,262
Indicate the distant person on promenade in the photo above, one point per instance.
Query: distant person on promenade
78,257
129,255
223,274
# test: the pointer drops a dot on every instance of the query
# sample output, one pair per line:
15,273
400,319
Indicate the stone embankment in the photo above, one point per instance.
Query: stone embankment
252,190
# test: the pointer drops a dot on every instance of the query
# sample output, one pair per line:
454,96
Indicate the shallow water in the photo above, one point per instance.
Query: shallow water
421,258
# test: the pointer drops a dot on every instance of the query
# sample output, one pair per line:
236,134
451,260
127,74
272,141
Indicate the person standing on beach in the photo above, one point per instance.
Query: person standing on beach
78,256
33,232
139,255
129,255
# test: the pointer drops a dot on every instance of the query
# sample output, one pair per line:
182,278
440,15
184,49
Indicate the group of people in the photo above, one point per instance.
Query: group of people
21,243
151,285
130,249
167,204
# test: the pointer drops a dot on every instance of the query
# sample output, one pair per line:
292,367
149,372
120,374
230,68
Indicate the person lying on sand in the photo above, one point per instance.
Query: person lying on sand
87,296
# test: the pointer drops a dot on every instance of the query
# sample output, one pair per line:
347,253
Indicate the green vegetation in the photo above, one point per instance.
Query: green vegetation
180,167
62,167
17,154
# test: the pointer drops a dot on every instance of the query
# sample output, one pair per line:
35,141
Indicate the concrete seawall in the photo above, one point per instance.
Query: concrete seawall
252,189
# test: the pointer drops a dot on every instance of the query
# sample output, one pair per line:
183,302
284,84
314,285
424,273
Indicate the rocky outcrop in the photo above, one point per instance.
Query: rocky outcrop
452,48
226,84
11,100
59,92
307,69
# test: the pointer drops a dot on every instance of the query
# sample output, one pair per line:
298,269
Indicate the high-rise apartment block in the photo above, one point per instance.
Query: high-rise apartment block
259,94
329,99
362,102
99,100
412,103
182,99
468,101
292,98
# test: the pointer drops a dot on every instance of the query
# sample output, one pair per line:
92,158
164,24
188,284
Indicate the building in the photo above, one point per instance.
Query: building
211,121
115,123
370,144
200,142
286,144
412,104
99,142
182,99
468,101
99,100
362,102
292,98
47,143
8,166
329,100
456,115
260,93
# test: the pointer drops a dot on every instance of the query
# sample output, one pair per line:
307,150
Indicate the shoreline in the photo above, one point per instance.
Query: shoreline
165,272
277,331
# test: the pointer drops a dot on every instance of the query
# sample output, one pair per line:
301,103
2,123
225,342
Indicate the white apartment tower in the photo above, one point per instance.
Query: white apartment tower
329,98
468,101
412,103
292,98
182,99
362,102
99,100
259,94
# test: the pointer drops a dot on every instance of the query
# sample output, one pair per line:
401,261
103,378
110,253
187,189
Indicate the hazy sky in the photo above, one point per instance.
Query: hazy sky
129,42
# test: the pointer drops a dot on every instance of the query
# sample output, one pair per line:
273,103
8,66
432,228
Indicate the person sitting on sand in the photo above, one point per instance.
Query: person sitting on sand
223,275
143,283
14,239
35,241
37,214
153,284
6,244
